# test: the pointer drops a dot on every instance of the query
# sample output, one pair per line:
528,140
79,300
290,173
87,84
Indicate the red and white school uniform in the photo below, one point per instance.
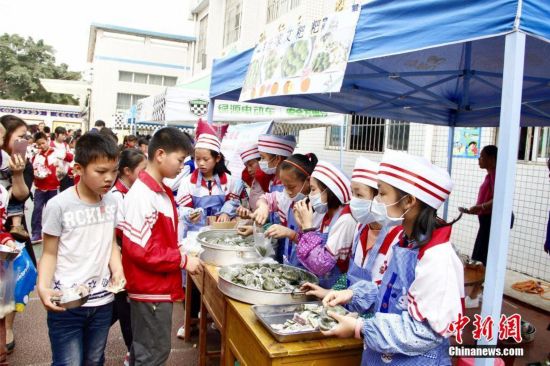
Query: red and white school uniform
150,254
64,154
258,184
118,192
44,166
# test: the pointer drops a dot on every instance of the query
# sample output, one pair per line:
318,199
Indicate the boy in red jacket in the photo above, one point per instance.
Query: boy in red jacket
150,254
44,165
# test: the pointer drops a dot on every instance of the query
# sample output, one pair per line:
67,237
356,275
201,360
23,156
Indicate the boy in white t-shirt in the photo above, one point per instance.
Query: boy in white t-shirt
80,249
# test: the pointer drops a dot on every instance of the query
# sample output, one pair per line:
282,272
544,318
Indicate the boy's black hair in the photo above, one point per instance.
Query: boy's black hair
47,130
170,140
143,141
130,158
94,146
60,130
40,135
491,151
99,123
131,138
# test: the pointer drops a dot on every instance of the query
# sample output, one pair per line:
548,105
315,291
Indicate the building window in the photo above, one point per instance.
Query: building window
125,76
232,21
534,144
151,79
367,134
125,101
398,135
278,8
201,45
170,80
333,137
155,79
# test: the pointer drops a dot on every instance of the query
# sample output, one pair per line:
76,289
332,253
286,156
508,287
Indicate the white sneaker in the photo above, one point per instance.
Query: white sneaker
127,359
181,332
472,303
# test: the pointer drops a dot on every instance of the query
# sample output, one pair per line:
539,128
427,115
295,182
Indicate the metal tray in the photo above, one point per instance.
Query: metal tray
278,314
224,255
262,297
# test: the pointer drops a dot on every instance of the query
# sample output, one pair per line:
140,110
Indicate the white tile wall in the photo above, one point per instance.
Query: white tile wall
531,197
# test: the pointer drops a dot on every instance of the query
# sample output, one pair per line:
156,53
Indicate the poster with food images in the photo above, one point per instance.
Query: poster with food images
304,59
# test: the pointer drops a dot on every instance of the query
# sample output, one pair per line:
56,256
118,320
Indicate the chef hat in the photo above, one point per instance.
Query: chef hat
365,172
208,141
416,176
334,179
249,152
204,127
277,145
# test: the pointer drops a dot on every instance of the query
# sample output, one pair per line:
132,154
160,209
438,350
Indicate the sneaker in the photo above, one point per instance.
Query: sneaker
472,303
181,332
19,233
36,240
127,359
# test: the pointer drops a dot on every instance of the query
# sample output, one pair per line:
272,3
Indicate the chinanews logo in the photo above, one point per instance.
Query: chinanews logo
199,107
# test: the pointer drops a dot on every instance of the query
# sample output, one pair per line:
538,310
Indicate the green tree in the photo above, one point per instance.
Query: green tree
23,62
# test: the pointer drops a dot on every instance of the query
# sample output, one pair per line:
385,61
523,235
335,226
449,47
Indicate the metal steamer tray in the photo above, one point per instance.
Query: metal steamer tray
278,314
262,297
224,255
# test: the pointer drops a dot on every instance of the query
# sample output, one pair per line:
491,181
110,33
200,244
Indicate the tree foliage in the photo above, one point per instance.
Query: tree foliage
23,62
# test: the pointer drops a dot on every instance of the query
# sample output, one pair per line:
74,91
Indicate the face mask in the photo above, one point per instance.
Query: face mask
298,197
318,205
361,210
264,166
380,213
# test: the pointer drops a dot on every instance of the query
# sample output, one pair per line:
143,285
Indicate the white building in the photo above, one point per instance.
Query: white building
224,27
130,64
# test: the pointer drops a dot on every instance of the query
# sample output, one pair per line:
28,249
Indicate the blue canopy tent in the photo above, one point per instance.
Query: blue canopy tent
483,63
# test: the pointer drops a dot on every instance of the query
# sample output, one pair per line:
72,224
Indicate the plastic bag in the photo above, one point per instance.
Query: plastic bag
25,278
7,288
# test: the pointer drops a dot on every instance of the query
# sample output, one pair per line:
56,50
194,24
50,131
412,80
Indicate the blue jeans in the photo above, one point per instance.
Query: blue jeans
79,336
40,200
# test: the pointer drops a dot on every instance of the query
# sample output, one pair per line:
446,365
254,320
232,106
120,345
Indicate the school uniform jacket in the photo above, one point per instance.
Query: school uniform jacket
47,160
150,256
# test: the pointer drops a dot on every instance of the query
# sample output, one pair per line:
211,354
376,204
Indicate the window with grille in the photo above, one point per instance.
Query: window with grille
232,21
201,44
534,144
152,79
277,8
333,137
397,133
367,134
140,78
125,76
170,81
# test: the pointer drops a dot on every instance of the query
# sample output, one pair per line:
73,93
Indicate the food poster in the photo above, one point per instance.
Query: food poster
308,58
467,142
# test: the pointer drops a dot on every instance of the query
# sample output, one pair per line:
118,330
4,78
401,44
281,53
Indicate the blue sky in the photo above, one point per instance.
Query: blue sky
65,24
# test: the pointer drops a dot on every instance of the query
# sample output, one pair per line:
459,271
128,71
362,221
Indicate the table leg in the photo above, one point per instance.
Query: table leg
202,334
188,298
3,350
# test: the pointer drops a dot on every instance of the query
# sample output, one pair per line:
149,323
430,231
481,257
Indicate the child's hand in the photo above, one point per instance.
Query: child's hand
243,212
474,210
223,218
312,289
118,281
345,328
279,231
46,295
245,230
334,298
195,216
260,215
304,214
194,265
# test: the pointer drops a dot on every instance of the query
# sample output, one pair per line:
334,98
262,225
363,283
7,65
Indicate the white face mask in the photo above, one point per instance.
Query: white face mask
264,166
380,212
361,210
298,197
317,204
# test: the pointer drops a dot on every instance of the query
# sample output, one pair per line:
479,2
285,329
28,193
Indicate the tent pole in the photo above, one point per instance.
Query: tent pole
342,129
508,139
450,144
210,117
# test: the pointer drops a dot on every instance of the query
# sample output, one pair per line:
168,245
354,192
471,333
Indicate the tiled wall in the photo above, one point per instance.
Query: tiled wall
531,197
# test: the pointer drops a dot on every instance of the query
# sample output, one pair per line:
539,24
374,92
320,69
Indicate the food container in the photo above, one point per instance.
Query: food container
7,253
73,297
224,255
262,297
278,314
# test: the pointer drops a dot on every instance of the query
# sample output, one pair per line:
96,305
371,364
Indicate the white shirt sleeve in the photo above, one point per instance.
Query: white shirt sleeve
340,237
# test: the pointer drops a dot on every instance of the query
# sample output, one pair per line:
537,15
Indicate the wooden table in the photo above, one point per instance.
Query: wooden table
247,341
212,303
